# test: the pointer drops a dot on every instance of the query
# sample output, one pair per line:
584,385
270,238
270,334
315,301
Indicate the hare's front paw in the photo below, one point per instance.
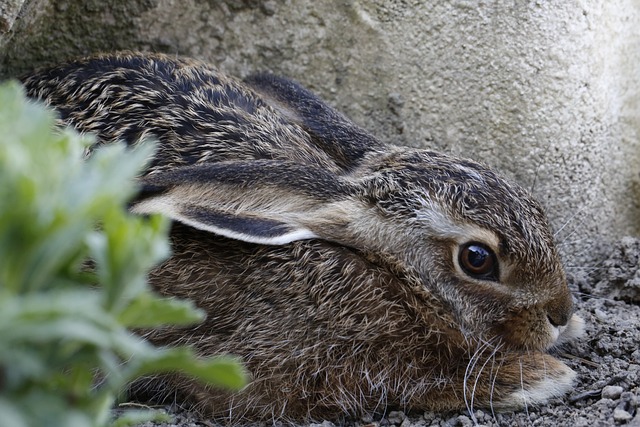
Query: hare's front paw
537,378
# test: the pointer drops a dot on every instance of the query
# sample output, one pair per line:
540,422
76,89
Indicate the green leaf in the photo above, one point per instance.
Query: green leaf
73,277
133,417
147,310
10,415
221,371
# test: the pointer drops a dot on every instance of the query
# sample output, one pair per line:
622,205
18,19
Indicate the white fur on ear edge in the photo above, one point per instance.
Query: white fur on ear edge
163,205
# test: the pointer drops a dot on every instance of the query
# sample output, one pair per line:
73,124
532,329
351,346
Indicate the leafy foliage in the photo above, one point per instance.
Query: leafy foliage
73,266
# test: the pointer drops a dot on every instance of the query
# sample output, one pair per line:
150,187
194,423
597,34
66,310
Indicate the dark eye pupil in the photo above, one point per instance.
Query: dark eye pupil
477,256
478,261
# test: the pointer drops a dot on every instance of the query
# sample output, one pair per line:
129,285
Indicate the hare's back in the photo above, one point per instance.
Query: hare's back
196,113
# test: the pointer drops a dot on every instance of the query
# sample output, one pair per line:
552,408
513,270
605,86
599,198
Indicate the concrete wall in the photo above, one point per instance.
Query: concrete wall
546,91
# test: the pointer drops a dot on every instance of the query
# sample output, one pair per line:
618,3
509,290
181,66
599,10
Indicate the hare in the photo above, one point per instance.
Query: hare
350,276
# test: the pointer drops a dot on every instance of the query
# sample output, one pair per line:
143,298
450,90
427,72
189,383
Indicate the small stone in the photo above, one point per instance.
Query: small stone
464,421
406,423
612,392
601,315
396,417
324,424
629,399
367,418
621,416
605,403
269,7
428,416
451,422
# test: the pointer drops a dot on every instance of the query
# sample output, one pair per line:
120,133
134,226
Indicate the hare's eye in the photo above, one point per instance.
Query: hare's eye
478,261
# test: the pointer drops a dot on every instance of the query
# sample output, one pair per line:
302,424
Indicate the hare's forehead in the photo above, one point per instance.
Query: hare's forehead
517,226
446,221
443,223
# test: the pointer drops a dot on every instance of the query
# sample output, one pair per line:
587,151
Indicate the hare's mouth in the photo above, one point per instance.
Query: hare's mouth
565,333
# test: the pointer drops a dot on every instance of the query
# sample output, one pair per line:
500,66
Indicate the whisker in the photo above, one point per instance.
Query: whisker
464,382
469,369
526,406
491,357
567,222
493,386
570,240
469,403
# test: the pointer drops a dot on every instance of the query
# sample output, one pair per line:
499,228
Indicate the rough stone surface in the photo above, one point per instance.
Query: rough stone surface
622,282
547,92
9,10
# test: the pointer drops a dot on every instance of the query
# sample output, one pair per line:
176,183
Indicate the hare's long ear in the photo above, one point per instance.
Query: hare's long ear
268,202
346,142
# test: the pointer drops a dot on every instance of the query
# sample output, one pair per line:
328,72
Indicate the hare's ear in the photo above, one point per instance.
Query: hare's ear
346,142
268,202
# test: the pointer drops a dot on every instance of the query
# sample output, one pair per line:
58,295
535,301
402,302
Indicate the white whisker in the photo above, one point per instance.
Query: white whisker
493,385
526,406
473,361
492,358
569,221
470,367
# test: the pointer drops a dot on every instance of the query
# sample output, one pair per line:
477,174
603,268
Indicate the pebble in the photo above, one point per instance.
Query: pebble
324,424
428,416
396,417
367,418
601,315
605,403
621,416
628,398
612,392
464,421
479,415
408,423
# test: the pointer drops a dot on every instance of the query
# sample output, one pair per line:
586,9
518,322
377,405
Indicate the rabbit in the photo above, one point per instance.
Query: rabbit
350,276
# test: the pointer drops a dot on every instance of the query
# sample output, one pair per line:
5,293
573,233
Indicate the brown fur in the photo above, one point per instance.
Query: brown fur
340,287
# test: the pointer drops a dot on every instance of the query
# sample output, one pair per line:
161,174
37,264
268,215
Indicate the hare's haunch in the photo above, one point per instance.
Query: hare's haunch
349,275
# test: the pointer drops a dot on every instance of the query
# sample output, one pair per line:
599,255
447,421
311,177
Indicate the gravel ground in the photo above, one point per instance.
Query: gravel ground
607,360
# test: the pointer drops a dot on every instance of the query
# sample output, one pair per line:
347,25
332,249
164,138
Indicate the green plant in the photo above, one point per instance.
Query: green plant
73,266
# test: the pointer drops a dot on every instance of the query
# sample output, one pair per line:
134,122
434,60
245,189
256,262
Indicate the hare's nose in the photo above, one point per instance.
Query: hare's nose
558,319
560,310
